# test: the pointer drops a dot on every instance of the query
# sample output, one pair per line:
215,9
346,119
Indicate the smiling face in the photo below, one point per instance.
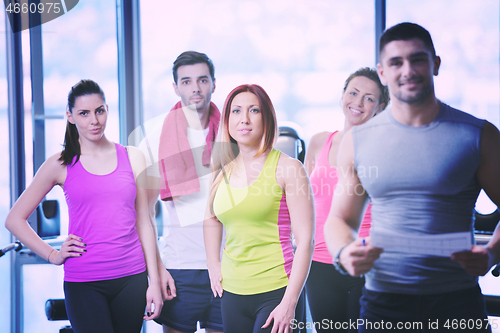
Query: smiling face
89,115
360,101
245,120
195,86
407,67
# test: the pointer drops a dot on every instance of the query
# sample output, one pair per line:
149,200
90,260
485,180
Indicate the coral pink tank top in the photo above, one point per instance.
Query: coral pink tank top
102,212
324,179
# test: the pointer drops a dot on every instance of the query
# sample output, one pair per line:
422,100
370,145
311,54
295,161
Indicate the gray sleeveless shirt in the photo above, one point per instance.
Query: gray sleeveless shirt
421,180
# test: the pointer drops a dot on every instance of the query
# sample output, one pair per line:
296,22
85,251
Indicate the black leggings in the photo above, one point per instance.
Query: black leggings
247,313
107,306
333,296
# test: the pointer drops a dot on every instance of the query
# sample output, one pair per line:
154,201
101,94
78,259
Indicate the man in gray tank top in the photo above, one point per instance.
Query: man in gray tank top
422,164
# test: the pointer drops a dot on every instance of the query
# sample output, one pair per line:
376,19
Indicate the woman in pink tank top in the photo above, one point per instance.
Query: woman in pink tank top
333,295
110,242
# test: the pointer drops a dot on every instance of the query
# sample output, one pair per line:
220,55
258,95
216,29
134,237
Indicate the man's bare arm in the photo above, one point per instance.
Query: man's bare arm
480,259
345,215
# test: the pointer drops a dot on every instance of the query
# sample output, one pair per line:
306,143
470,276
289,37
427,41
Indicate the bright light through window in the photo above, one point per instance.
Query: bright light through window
299,51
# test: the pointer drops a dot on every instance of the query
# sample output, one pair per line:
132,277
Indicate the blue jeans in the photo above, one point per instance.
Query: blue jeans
462,310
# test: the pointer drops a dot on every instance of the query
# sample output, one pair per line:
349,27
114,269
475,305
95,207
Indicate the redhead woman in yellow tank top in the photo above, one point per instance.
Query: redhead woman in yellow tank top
260,196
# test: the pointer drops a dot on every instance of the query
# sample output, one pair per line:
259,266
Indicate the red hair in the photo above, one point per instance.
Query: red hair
226,148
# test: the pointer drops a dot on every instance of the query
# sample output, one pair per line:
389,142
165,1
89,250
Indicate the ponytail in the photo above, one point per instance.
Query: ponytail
71,145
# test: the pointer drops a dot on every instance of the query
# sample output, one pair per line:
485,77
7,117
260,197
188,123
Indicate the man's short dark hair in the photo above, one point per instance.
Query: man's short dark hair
191,58
407,31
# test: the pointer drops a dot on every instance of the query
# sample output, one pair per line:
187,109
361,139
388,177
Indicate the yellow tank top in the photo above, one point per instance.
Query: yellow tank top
258,254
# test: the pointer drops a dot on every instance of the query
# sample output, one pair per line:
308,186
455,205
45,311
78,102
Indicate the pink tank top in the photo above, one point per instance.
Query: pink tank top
324,179
102,212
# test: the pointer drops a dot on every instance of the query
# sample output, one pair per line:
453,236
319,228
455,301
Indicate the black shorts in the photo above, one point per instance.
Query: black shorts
194,303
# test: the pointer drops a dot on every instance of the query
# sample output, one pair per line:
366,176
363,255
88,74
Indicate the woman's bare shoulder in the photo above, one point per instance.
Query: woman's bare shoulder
289,166
54,169
318,141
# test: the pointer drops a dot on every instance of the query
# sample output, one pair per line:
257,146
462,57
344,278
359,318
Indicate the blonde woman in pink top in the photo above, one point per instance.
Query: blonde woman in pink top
110,242
333,296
